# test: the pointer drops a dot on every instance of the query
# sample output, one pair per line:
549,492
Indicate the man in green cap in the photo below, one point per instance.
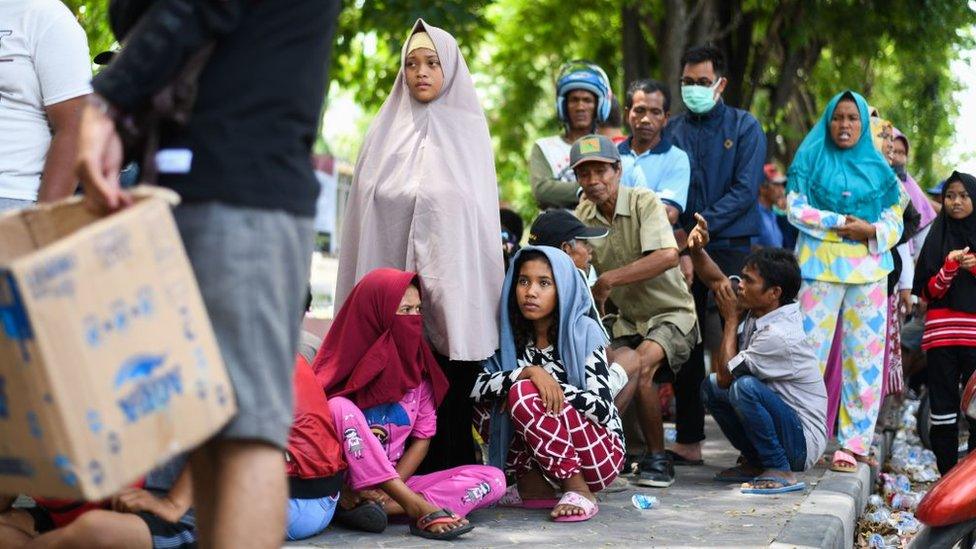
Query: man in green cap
638,267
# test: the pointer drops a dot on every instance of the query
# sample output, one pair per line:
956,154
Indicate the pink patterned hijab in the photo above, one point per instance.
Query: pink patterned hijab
425,199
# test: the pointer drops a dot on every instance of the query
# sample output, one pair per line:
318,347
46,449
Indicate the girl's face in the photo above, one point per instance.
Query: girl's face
535,290
957,203
410,304
424,75
845,124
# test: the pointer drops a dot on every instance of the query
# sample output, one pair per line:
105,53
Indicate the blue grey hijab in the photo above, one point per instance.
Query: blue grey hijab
579,334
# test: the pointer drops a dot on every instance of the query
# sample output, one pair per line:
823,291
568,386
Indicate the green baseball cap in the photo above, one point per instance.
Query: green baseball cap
593,147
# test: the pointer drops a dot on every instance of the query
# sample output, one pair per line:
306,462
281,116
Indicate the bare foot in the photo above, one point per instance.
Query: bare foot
691,452
533,485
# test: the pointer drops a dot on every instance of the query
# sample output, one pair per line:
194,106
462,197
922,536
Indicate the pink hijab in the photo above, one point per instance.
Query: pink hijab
424,199
919,200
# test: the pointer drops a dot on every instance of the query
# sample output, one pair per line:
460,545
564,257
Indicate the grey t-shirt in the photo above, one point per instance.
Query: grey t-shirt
775,349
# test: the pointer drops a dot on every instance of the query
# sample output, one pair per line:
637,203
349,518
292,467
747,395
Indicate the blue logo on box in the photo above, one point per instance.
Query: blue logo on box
15,467
149,387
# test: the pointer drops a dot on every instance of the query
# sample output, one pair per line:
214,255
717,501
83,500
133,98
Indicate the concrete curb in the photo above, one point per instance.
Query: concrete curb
827,517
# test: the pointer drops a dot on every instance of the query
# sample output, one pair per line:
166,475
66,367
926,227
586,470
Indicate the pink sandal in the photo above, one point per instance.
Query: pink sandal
590,509
842,462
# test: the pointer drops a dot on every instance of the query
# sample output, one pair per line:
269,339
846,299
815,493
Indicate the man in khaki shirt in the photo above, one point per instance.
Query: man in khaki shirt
638,266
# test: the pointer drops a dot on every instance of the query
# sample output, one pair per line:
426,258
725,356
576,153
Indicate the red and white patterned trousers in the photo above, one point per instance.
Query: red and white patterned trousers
560,445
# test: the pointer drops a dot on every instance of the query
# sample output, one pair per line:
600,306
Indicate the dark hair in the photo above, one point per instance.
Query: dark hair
648,86
777,267
308,299
701,54
512,221
522,328
614,119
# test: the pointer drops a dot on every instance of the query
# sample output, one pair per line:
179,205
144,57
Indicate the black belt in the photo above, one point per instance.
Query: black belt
314,488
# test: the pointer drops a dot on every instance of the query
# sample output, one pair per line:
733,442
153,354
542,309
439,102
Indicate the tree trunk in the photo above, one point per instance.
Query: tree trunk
636,50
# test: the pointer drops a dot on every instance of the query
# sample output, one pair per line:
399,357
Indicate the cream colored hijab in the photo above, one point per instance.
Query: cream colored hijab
424,198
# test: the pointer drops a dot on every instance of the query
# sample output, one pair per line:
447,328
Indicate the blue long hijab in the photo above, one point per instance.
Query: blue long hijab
855,181
579,334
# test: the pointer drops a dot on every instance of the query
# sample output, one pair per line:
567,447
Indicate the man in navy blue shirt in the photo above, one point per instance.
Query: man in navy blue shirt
726,148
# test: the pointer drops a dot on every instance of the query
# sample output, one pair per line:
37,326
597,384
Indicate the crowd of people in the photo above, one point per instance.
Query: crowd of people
463,370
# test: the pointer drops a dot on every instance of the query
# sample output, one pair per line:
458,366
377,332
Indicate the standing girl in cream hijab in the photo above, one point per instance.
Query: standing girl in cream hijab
425,199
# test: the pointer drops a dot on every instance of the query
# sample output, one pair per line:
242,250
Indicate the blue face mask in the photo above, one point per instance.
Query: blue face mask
699,99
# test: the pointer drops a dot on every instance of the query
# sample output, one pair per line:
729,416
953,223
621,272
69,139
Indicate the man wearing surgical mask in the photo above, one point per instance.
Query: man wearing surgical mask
727,148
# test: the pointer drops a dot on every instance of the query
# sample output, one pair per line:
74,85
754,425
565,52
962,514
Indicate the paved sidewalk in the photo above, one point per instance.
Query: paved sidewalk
694,512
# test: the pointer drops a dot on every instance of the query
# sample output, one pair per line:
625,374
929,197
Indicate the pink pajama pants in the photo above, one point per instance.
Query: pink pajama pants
461,489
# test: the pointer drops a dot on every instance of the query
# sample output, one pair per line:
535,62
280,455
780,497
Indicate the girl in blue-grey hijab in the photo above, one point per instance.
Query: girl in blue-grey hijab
546,402
848,204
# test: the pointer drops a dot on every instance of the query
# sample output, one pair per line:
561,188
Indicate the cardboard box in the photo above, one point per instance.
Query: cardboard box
108,362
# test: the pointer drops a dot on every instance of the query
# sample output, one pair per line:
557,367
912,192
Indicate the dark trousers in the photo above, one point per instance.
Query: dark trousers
947,368
758,423
689,412
453,445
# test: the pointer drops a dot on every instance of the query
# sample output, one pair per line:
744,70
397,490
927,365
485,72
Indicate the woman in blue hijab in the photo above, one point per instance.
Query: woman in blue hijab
847,203
548,411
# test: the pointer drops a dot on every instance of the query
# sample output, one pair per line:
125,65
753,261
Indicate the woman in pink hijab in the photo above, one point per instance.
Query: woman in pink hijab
425,199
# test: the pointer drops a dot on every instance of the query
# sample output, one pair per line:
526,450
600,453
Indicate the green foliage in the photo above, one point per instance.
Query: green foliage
93,16
896,53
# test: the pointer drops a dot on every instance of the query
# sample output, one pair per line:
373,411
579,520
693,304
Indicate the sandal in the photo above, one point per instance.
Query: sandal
440,516
368,516
781,486
512,498
590,508
842,462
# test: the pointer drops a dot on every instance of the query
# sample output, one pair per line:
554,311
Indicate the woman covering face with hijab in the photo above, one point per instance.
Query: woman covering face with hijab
848,204
425,199
383,386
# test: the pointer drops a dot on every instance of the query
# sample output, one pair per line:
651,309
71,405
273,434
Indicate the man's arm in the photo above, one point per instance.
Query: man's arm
155,50
58,179
746,177
547,190
645,268
728,307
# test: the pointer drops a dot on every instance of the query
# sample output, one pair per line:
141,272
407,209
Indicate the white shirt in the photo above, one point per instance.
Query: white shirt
43,60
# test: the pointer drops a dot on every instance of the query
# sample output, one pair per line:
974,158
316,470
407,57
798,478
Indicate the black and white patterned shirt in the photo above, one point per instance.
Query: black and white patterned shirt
595,402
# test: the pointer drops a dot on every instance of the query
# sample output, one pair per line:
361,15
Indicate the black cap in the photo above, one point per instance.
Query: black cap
104,58
554,227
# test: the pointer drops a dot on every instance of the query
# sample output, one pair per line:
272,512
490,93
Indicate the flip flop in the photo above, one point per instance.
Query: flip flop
590,509
512,498
680,460
440,516
368,516
740,477
842,462
782,488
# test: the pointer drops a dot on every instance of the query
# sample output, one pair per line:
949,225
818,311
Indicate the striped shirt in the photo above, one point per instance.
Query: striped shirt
946,327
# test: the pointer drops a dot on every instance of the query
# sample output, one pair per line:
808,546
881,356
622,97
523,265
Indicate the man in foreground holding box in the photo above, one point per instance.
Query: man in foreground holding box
241,165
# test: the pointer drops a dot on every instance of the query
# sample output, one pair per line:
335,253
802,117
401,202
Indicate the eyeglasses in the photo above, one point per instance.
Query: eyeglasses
700,82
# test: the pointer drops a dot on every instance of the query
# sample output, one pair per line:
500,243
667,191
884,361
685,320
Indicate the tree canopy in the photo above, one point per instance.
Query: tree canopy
786,59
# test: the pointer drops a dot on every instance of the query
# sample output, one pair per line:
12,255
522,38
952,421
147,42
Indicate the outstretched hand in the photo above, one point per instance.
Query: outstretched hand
698,238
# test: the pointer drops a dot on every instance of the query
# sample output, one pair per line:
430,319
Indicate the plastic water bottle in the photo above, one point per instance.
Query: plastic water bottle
643,501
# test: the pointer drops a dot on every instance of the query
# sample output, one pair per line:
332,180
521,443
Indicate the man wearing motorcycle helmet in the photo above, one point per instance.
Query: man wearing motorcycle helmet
583,98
